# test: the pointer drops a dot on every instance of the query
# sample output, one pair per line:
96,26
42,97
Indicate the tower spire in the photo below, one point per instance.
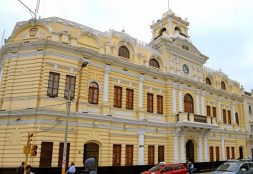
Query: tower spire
168,5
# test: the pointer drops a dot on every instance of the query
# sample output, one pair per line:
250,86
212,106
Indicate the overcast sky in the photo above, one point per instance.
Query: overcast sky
220,29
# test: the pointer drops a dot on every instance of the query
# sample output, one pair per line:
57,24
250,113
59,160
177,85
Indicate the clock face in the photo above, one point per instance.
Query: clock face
186,69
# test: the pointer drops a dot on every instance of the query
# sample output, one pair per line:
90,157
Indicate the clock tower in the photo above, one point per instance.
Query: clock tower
170,37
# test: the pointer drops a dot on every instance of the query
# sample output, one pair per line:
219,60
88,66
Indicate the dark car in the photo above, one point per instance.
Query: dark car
167,169
235,167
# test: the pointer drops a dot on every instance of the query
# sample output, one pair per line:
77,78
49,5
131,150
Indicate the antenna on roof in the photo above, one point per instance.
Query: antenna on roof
32,13
37,8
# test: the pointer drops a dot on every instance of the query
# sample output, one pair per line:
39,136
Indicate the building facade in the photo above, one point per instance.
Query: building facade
133,104
248,104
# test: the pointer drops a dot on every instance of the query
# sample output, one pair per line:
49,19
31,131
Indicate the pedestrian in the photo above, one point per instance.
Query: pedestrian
190,167
90,167
72,169
28,169
20,169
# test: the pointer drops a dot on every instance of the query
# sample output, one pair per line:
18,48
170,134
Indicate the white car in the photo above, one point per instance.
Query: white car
235,167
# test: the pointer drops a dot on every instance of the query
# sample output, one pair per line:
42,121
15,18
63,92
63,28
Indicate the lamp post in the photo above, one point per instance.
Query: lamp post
68,104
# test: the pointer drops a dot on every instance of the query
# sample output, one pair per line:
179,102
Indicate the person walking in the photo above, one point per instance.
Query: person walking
191,167
28,169
20,169
72,169
90,166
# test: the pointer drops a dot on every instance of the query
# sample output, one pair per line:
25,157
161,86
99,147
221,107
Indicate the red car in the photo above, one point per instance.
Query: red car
167,169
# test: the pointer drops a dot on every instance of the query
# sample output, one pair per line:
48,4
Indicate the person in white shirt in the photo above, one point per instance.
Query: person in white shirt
72,169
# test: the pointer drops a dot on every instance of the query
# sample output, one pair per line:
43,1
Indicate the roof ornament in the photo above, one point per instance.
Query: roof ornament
169,5
169,12
123,30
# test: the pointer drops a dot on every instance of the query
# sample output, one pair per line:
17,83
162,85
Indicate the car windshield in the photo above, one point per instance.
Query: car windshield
229,167
155,168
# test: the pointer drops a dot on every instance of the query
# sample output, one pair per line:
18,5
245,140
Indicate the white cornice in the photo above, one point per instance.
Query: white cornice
84,115
33,112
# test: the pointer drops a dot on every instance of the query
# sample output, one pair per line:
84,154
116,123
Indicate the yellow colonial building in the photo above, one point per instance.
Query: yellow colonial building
133,104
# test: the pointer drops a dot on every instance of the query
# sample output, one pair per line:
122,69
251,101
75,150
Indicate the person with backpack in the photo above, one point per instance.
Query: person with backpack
90,166
20,169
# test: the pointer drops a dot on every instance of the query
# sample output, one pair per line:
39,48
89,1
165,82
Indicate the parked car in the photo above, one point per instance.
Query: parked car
163,168
235,167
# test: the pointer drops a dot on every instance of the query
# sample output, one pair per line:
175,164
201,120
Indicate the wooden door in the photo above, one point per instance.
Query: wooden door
46,154
151,155
116,155
129,155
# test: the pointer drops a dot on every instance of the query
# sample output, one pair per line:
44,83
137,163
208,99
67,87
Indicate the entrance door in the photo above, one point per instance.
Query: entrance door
240,153
46,154
91,150
190,150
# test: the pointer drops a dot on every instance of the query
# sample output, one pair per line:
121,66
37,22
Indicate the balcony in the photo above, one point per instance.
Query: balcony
194,120
250,137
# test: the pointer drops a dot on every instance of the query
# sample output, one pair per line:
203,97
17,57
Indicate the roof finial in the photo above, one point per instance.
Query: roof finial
123,30
168,5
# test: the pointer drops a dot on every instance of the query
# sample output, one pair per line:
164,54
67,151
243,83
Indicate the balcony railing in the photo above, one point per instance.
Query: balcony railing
191,117
200,118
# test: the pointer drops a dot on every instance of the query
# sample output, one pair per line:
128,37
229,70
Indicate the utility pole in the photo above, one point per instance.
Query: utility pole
68,104
27,148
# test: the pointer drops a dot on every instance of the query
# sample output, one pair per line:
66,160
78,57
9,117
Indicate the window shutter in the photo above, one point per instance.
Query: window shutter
224,116
211,153
53,84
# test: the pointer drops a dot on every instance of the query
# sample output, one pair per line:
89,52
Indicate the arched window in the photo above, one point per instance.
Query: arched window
237,118
154,63
93,93
188,103
208,81
223,86
178,29
124,52
161,31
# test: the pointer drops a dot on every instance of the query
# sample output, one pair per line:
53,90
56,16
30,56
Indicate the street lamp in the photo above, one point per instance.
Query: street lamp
68,104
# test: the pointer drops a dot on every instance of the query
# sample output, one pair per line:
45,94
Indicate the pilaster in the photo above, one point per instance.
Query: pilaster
105,110
180,98
141,148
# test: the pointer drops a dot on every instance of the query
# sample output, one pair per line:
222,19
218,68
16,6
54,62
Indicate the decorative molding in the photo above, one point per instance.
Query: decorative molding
115,60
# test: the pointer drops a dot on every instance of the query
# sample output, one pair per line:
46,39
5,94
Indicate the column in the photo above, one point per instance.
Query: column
206,147
200,147
141,148
197,103
182,147
107,70
180,97
203,106
140,99
176,147
174,101
223,149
